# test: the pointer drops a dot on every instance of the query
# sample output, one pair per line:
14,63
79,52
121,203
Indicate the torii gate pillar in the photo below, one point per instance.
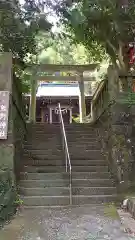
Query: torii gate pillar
82,106
32,109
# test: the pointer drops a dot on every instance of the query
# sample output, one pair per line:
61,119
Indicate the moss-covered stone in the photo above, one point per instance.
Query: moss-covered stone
110,210
6,156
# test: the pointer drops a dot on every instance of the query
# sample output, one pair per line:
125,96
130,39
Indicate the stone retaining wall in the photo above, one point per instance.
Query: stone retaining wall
118,147
19,126
10,148
114,117
7,196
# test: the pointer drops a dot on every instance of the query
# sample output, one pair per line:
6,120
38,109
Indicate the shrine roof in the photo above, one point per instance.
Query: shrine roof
58,89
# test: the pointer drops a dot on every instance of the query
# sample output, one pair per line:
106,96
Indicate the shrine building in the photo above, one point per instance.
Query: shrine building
48,96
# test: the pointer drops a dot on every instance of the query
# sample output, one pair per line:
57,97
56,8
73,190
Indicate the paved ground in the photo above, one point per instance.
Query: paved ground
76,223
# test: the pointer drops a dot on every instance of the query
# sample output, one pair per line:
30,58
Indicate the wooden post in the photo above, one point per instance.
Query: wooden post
70,115
82,107
32,116
50,120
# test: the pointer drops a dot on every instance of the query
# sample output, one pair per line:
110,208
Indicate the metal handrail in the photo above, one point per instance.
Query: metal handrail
66,151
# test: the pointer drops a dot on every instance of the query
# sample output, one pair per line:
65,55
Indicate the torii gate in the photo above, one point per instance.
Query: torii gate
38,73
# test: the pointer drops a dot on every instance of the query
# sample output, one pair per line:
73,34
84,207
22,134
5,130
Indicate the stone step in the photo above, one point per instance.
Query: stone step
81,132
46,162
65,183
42,146
56,169
44,151
93,199
48,191
56,162
85,162
51,141
84,147
44,183
64,200
51,147
87,154
43,134
92,183
91,152
83,155
83,144
93,190
49,156
82,139
36,142
45,200
46,130
64,191
57,125
64,175
58,130
43,125
81,135
45,169
43,176
90,168
43,137
80,126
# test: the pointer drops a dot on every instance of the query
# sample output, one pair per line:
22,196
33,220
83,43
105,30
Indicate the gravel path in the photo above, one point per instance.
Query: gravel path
76,223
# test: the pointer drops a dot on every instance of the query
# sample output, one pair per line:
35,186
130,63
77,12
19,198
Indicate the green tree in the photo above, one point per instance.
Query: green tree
59,49
19,24
103,23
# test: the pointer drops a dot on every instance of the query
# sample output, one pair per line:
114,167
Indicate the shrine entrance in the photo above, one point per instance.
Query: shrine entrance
53,73
66,113
50,114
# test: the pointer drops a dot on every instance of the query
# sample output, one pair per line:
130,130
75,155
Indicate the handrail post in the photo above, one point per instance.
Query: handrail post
66,162
66,152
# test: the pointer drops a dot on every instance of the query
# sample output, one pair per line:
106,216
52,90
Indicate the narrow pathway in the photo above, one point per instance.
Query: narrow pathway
76,223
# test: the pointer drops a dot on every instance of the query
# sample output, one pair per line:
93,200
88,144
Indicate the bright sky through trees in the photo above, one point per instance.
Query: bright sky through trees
52,19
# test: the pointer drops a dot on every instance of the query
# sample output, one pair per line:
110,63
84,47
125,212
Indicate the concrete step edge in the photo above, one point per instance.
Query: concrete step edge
61,206
66,180
42,188
65,173
44,196
59,151
73,196
51,181
66,188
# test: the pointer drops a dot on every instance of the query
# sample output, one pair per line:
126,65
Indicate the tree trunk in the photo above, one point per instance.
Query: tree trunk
123,66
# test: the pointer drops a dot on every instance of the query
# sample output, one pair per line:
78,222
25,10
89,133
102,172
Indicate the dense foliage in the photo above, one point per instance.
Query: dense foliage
19,24
105,23
59,49
25,31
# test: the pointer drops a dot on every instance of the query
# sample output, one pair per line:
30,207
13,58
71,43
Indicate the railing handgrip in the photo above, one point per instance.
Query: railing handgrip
66,152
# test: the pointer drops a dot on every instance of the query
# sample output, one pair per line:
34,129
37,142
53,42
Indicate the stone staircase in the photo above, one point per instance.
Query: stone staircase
44,181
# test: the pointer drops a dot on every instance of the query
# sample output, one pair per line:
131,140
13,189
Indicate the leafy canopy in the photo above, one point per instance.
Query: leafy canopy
19,24
105,23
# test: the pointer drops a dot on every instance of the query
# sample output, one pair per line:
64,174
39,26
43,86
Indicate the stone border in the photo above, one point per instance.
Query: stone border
127,221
